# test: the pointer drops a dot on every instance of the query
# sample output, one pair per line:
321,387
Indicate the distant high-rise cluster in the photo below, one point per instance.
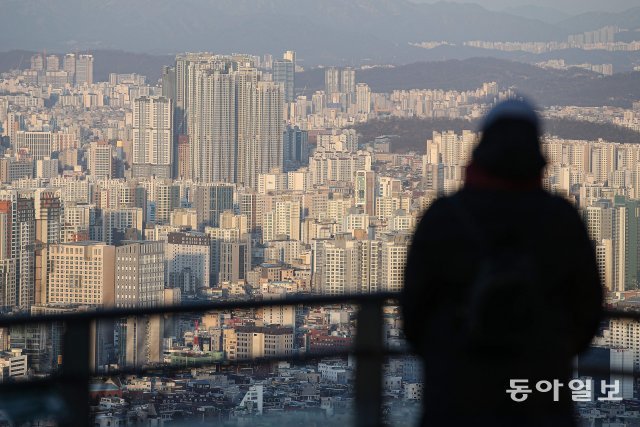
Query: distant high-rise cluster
447,155
604,179
603,35
233,117
49,70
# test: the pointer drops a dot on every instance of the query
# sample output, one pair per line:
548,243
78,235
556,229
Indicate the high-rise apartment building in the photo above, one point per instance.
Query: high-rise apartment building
233,119
82,273
284,73
13,168
235,261
626,238
213,121
296,148
331,80
49,221
7,282
230,247
604,258
153,137
38,144
365,191
348,83
345,265
139,277
247,126
7,262
269,151
169,82
4,110
19,217
187,257
53,63
69,65
393,257
186,67
211,201
122,224
38,62
184,157
100,161
167,198
283,220
249,204
47,168
84,69
143,341
363,98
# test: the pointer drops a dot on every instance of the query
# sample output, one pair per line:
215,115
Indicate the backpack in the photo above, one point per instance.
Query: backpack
504,311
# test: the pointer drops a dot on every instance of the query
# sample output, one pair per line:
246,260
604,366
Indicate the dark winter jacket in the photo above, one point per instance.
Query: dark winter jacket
465,387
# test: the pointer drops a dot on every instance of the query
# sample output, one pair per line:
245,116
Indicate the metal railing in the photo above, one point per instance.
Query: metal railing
72,383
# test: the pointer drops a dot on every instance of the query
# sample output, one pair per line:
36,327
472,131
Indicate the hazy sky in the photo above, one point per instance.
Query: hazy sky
568,6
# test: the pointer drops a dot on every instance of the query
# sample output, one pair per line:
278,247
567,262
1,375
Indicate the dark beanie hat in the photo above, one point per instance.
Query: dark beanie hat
510,143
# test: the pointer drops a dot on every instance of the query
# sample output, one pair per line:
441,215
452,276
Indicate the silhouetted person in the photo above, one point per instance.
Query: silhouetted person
501,283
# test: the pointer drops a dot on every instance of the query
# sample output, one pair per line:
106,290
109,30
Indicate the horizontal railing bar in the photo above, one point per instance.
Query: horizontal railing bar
113,313
622,314
262,360
590,369
171,368
192,308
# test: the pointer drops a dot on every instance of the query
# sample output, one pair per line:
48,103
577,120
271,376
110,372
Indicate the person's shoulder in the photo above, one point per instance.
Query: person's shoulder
560,204
439,206
436,215
564,214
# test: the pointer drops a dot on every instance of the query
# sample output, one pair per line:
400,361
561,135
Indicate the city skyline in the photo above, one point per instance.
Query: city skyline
250,176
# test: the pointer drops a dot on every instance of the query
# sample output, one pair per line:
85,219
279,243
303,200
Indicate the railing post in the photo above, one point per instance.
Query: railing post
369,353
75,371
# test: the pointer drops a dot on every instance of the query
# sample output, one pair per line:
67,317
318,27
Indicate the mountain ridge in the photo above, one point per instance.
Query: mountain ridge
321,32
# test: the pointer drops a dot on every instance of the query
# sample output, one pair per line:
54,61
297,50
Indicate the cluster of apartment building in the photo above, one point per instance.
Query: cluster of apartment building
224,183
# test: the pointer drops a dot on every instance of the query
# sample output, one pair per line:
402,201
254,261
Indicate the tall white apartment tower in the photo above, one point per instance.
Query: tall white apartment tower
348,82
69,65
152,137
363,98
246,81
213,121
331,80
100,161
84,69
270,99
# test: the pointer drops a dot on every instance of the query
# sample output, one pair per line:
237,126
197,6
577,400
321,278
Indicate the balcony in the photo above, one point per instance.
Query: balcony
62,398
